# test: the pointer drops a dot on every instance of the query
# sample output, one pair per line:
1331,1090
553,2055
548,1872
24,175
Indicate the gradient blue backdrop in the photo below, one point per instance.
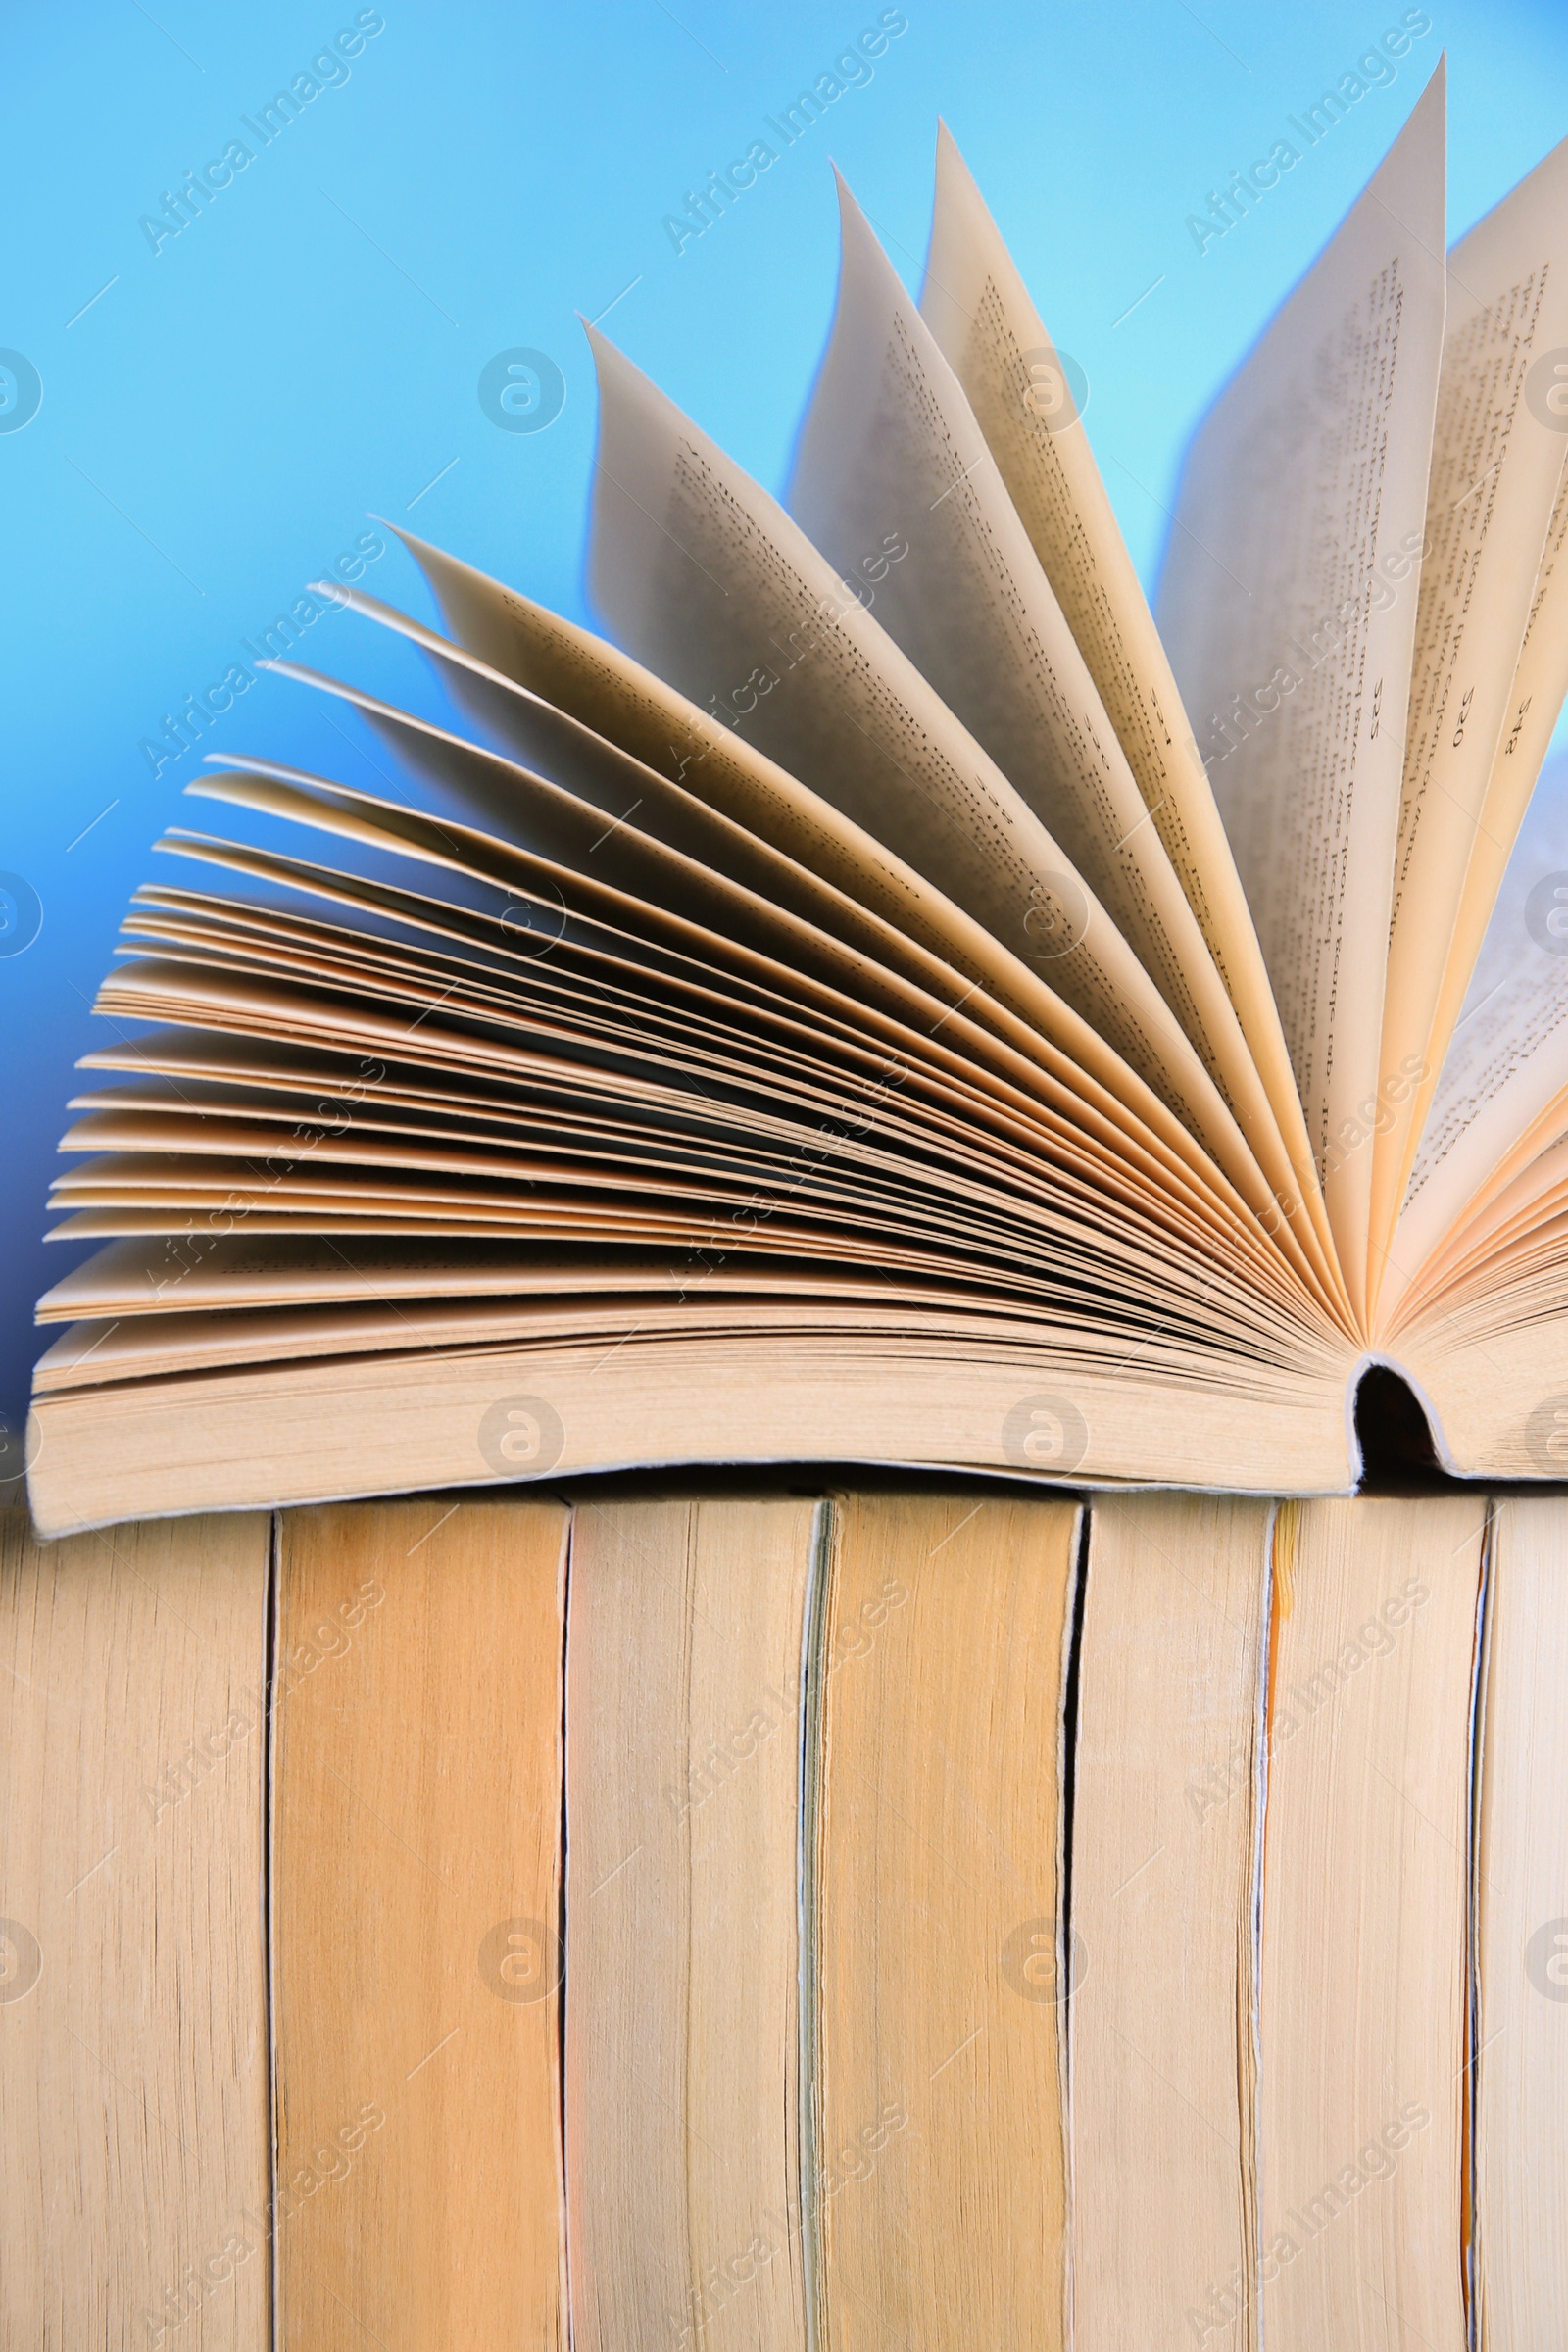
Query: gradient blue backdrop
218,416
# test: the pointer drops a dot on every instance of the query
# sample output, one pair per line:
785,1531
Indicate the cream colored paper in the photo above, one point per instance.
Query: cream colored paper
891,458
709,583
1496,466
1507,1066
1288,606
983,320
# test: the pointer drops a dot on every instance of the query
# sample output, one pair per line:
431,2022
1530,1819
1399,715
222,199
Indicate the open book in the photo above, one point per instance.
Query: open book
892,1002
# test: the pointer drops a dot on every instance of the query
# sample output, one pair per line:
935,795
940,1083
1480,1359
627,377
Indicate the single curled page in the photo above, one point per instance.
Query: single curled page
705,578
891,458
1497,464
1540,683
1505,1076
1288,604
1018,385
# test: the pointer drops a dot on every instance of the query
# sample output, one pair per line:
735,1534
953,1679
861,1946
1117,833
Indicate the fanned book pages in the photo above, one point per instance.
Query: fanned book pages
888,1002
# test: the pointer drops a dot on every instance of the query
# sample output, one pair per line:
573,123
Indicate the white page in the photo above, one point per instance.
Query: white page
1288,604
1497,463
1508,1061
891,450
705,580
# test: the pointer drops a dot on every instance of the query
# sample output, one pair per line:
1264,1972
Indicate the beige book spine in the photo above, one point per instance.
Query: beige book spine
135,2136
683,1742
416,1926
1168,1785
1521,2032
940,2184
1364,1986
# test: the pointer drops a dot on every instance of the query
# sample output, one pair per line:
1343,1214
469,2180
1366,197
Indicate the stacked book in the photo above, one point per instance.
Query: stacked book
788,1918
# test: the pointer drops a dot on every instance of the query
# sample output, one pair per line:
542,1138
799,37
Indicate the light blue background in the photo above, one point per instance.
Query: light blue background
217,424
